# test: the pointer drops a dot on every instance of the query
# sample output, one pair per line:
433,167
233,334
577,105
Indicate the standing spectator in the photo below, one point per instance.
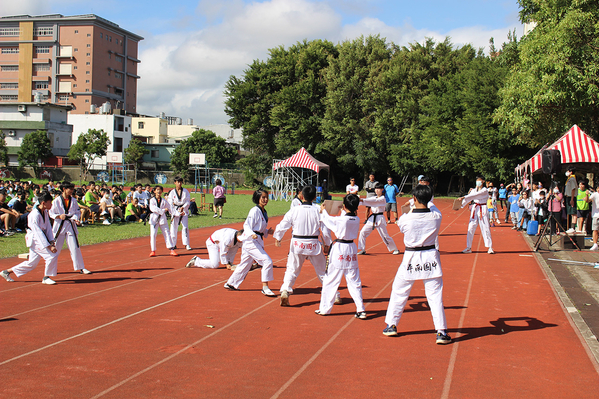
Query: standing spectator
582,204
542,207
391,191
555,206
525,205
369,187
219,198
594,200
352,187
570,192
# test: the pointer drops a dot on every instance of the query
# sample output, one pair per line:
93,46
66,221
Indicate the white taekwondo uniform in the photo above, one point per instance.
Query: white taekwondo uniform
377,221
158,219
253,249
67,228
296,202
342,261
180,204
305,244
38,238
421,261
478,214
222,247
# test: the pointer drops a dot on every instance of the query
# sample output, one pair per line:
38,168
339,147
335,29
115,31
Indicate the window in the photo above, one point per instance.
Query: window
118,144
9,98
155,154
9,85
75,67
118,75
9,68
76,31
88,45
87,72
75,85
86,89
140,125
87,81
87,100
89,35
41,67
87,63
13,31
42,49
63,97
119,59
10,50
101,35
76,49
41,85
43,31
88,54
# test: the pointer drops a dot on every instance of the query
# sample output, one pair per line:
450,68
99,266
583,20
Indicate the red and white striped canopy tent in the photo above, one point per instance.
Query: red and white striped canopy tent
575,146
301,159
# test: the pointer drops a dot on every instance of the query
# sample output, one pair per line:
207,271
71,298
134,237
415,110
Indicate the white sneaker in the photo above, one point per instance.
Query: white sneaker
104,213
338,300
396,252
192,262
267,291
498,222
188,247
215,215
570,231
361,252
106,222
595,247
490,251
47,280
84,271
467,251
6,276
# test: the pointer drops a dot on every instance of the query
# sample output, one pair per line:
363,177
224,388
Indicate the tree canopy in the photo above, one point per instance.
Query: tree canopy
3,149
35,148
134,154
89,147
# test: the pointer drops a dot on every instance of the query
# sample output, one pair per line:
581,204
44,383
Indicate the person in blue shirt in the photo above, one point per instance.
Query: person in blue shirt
502,197
514,208
391,191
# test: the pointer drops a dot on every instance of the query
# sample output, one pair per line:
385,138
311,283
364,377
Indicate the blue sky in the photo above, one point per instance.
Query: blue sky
192,47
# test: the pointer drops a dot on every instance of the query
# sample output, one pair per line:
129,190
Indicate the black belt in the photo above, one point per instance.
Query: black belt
260,234
374,215
344,241
306,237
425,248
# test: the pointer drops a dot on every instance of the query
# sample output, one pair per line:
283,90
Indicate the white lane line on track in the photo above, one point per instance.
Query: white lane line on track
113,322
323,348
456,345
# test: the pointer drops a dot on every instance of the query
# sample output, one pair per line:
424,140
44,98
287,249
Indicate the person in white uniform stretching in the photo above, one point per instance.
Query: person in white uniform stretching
40,241
377,221
66,214
343,258
158,208
478,215
305,244
180,199
421,261
255,230
222,247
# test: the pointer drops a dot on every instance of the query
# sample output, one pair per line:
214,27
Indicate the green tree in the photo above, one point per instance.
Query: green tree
134,154
89,147
3,149
202,142
35,148
555,82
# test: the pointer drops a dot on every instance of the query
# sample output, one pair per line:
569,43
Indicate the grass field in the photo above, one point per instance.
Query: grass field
235,210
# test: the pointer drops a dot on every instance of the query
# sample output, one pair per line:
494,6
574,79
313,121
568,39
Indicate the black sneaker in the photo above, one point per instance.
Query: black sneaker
443,339
390,331
231,288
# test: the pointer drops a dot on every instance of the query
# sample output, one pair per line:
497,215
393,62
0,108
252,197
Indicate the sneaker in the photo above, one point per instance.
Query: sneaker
47,280
106,222
338,300
498,222
467,251
267,291
514,227
390,331
360,315
6,275
490,251
215,216
173,253
104,213
84,271
152,254
361,252
254,266
220,217
284,298
117,219
595,247
192,262
443,339
570,231
233,267
396,252
318,312
230,287
8,233
188,247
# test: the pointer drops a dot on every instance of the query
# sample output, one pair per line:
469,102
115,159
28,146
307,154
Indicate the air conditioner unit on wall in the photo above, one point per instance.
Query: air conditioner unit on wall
12,133
22,108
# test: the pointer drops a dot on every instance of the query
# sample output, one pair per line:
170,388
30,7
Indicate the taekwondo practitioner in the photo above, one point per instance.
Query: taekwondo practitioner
343,257
158,208
421,261
305,244
255,230
40,240
298,199
180,200
478,215
222,247
377,221
66,214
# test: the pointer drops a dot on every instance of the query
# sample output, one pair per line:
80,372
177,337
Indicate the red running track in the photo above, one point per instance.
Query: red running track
139,327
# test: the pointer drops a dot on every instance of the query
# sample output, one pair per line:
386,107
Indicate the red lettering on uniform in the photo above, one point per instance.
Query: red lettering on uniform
340,257
355,258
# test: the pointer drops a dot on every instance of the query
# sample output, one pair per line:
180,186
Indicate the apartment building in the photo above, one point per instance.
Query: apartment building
82,61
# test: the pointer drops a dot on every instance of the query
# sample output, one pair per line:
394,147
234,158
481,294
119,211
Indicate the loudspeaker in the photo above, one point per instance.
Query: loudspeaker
552,161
